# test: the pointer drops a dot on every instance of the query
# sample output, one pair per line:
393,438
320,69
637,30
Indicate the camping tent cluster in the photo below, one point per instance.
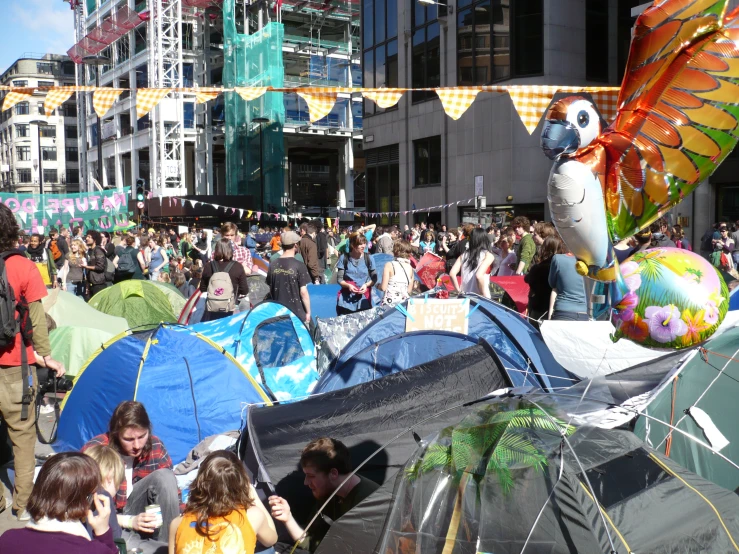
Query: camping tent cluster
479,438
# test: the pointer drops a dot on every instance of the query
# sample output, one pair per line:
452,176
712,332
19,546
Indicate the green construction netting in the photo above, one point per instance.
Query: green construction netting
255,151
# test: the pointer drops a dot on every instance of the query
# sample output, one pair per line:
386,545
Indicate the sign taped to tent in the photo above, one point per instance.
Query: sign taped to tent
432,314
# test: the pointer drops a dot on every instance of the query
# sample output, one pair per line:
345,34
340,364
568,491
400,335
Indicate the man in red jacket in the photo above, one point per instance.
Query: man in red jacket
18,381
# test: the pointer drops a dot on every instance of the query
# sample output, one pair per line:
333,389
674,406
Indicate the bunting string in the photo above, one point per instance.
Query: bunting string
406,212
529,101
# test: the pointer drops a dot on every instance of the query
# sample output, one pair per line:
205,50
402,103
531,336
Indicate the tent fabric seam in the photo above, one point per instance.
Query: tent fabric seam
608,518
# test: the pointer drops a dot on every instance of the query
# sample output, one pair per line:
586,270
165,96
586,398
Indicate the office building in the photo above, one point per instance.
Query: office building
29,150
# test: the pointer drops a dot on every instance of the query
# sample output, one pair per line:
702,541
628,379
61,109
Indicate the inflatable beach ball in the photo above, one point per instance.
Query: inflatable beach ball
675,299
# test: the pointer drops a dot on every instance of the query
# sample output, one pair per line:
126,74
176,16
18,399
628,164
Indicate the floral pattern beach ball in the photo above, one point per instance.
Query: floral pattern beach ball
675,299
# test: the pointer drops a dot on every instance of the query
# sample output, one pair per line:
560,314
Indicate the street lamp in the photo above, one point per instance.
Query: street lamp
449,7
97,61
261,121
39,123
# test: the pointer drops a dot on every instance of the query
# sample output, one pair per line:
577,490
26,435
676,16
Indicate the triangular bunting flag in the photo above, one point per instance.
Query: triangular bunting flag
530,103
328,222
193,203
319,104
216,206
23,215
55,98
241,214
384,99
455,101
15,96
203,95
104,98
259,215
250,93
607,102
147,98
248,214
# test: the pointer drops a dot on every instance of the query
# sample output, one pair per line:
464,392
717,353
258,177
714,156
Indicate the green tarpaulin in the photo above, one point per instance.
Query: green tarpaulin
68,310
140,302
708,382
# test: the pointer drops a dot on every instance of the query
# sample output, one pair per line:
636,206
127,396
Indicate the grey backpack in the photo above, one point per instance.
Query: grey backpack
221,297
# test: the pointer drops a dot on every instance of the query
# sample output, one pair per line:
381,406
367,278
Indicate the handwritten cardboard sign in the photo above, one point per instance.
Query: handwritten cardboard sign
437,315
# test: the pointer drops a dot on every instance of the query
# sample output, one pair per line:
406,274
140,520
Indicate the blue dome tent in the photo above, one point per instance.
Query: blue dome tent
384,347
190,386
272,344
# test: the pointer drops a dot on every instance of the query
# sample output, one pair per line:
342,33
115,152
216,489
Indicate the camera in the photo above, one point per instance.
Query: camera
49,382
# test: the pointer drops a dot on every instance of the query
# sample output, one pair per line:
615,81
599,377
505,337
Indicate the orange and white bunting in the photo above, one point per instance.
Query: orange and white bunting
203,95
456,101
147,98
104,98
56,97
384,99
607,101
250,93
320,104
530,103
16,95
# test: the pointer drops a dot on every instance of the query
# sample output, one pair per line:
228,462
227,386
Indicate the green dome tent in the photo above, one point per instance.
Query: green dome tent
68,310
176,300
142,303
73,346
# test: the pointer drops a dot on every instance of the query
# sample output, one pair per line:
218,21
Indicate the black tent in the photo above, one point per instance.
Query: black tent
503,479
365,417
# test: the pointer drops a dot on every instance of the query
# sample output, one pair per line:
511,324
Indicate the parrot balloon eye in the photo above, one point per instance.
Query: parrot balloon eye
583,119
581,113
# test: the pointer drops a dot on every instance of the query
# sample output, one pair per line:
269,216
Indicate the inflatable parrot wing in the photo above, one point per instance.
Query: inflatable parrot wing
678,119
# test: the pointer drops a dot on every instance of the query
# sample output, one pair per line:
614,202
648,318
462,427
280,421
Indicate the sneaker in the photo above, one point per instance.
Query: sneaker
48,409
23,515
6,505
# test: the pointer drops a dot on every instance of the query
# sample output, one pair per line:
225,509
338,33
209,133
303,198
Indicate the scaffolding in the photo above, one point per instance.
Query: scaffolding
165,71
255,149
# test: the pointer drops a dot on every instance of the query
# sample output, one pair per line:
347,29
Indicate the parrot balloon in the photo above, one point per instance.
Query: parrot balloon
678,118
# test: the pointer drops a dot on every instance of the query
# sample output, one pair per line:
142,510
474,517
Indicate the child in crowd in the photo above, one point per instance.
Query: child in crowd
223,512
112,472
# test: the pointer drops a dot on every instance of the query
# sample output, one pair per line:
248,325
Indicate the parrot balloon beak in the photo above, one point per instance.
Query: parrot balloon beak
559,138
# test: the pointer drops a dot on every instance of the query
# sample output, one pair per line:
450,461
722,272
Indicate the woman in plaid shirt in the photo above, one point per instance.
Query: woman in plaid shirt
149,476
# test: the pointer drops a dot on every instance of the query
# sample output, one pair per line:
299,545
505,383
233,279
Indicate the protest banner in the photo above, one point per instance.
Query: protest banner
431,314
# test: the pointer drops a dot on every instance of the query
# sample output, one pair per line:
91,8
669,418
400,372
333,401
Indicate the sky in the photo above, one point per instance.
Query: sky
38,26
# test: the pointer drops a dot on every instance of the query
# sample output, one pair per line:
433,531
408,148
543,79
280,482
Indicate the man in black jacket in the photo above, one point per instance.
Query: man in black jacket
96,261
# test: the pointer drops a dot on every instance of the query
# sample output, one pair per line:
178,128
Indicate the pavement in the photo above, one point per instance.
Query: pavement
43,451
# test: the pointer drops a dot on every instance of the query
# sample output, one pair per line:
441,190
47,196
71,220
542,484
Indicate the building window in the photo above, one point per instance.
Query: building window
20,83
70,132
40,108
24,153
140,40
69,109
48,153
142,76
382,181
48,131
427,161
426,58
68,68
122,49
71,154
499,40
45,68
380,47
188,109
73,176
22,131
187,36
24,175
596,41
46,83
50,176
625,24
22,108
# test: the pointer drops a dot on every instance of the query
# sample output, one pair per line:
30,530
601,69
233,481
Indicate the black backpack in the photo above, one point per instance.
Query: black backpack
126,262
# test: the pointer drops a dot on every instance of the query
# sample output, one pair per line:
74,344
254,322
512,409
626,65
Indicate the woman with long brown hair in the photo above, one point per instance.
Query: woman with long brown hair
538,276
223,513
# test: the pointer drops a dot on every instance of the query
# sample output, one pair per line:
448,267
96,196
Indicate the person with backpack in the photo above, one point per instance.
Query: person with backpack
224,280
356,273
43,258
129,261
58,247
23,334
